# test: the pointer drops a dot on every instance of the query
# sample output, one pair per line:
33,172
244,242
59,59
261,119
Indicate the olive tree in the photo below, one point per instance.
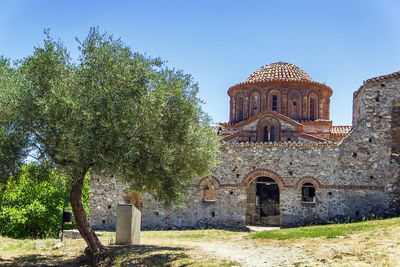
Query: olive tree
13,141
112,111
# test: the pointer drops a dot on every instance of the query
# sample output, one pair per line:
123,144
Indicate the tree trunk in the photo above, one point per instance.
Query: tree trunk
95,250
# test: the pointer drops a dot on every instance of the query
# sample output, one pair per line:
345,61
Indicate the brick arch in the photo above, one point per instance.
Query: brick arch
217,185
260,172
308,179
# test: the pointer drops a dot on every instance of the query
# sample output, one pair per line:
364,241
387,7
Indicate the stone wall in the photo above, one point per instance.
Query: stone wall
355,178
226,212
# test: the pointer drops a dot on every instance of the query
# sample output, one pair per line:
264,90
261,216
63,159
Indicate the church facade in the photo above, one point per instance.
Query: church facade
282,162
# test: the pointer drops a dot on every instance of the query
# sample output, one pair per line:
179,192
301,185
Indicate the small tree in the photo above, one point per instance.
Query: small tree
32,202
114,111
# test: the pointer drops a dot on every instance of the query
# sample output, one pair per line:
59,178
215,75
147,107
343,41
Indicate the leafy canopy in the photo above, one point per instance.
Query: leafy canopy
13,140
114,110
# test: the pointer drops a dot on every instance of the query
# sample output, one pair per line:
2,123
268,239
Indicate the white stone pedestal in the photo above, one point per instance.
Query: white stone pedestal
128,225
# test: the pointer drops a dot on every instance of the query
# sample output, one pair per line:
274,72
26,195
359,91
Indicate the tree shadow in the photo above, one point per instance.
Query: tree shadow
44,261
230,229
148,255
135,255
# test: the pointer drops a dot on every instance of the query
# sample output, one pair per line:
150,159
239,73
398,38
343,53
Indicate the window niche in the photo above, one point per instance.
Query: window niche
395,131
275,103
308,193
274,100
255,104
268,130
240,107
295,105
312,109
209,193
312,106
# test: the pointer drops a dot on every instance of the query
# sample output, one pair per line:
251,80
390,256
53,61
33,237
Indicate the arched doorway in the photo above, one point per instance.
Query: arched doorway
263,206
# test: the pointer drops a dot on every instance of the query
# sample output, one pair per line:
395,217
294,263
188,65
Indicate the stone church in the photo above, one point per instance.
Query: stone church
282,162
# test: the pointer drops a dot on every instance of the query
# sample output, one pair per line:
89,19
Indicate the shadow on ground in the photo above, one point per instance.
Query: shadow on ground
140,255
44,260
146,255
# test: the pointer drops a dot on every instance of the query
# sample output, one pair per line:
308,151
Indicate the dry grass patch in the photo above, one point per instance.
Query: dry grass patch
193,235
41,252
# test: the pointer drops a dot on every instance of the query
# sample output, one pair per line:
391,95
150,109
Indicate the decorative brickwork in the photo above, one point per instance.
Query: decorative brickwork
263,172
283,88
308,179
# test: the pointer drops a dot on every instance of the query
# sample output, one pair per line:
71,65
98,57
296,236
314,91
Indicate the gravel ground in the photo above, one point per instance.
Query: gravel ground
251,255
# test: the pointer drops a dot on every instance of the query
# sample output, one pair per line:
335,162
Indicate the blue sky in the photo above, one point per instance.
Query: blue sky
221,43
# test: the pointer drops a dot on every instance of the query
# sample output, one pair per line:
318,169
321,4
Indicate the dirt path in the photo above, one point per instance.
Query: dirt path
378,248
251,254
247,252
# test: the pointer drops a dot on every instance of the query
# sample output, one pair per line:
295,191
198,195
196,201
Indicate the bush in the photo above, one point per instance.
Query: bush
31,203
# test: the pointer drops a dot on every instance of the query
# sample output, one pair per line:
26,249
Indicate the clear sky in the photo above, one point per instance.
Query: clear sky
221,42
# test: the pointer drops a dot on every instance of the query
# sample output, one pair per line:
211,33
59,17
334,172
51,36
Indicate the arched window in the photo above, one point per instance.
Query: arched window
209,192
274,100
239,108
312,109
268,130
294,105
294,110
269,134
313,106
308,193
272,134
240,115
255,101
275,103
266,138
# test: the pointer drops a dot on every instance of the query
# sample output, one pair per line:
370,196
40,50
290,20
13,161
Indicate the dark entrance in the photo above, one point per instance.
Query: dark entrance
263,202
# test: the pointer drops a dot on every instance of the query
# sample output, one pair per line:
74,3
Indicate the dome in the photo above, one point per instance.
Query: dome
278,72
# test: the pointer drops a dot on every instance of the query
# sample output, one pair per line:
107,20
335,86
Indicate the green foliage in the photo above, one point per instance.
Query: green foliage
13,140
328,231
31,202
115,111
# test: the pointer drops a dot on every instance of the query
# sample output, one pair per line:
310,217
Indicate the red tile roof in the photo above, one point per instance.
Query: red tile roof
215,129
279,71
341,130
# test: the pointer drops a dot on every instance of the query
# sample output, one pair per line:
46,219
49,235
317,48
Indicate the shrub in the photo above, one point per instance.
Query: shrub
31,203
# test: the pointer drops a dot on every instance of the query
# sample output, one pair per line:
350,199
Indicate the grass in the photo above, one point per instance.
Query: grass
327,231
153,252
191,235
165,256
369,242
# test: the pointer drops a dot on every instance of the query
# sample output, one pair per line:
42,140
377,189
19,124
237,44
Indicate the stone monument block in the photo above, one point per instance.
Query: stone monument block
128,225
